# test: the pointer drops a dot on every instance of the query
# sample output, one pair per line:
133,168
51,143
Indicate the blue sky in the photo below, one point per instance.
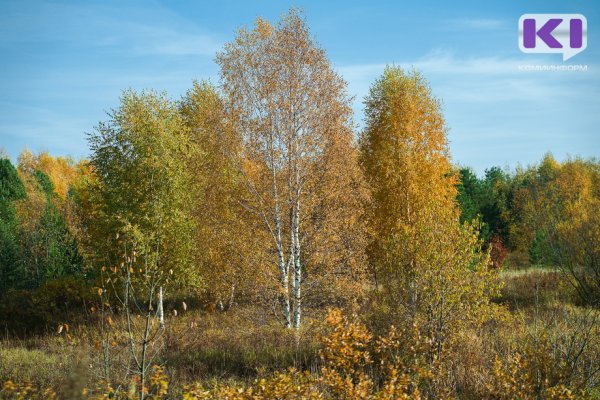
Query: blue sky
63,65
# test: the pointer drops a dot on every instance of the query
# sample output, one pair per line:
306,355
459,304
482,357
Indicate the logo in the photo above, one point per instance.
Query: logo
553,33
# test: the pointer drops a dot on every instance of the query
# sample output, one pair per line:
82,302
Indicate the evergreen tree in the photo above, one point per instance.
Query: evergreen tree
11,189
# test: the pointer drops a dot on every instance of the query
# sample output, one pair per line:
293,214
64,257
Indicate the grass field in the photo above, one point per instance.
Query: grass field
239,346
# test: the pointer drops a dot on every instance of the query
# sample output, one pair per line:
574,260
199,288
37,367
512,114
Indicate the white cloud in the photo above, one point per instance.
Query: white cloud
477,79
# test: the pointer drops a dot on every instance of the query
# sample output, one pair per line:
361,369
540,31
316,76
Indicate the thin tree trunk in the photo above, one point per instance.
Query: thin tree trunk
297,271
290,263
231,298
283,268
143,369
160,311
296,243
283,277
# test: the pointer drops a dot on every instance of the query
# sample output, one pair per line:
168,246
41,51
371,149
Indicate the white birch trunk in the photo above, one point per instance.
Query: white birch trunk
285,293
160,310
295,228
231,298
283,275
297,285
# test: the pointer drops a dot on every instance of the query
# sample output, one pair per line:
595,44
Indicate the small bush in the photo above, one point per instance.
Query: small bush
52,304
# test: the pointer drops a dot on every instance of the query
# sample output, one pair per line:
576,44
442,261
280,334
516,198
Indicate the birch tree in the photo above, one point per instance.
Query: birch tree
290,108
429,269
223,246
140,157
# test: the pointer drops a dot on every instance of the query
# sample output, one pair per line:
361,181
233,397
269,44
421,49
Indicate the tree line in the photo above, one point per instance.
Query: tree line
544,214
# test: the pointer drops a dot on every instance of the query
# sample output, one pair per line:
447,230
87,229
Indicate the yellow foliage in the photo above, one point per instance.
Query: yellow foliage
356,365
63,171
428,269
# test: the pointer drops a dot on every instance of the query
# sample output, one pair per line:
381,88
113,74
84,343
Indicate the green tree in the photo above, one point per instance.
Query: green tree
140,157
62,255
144,187
11,186
468,195
48,249
493,203
485,199
11,189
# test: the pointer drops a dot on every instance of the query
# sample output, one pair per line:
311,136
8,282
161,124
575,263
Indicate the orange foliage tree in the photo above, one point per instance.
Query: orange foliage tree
298,158
429,269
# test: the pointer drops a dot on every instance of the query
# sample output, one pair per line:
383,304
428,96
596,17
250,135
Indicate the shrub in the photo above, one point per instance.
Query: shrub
52,304
355,365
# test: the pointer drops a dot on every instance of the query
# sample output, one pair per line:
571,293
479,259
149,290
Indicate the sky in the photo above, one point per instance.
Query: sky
64,64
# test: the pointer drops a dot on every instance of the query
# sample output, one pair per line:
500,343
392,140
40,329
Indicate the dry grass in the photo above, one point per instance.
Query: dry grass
195,347
543,330
535,285
36,366
239,345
